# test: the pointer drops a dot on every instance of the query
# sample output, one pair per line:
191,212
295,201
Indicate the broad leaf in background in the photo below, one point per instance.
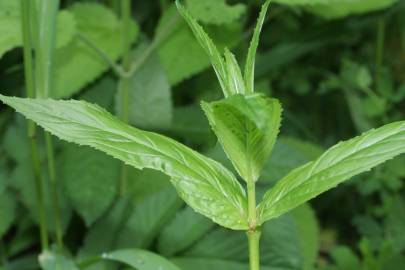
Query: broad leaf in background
10,26
247,127
215,264
140,259
183,231
76,64
199,180
149,94
148,218
7,210
332,9
215,11
51,261
89,179
336,165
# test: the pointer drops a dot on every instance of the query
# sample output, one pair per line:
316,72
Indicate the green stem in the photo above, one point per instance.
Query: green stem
39,187
379,49
125,81
54,185
254,251
253,232
30,88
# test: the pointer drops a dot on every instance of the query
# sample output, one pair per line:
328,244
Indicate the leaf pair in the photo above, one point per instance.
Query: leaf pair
226,68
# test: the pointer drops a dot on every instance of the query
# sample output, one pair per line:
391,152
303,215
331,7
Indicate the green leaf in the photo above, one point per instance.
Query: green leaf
10,26
140,259
336,165
215,264
185,229
149,94
105,33
203,183
148,218
90,180
216,59
250,60
52,261
182,64
235,79
7,210
247,127
333,9
215,11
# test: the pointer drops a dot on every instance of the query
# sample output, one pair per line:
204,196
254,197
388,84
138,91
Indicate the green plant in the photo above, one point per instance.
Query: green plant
246,124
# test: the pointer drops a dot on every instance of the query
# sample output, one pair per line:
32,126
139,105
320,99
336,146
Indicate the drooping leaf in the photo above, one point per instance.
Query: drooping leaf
215,11
203,183
336,165
205,41
149,94
10,26
52,261
250,60
140,259
90,180
185,229
105,34
247,127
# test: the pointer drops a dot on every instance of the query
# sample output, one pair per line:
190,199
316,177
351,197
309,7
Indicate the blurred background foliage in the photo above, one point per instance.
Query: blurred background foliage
338,67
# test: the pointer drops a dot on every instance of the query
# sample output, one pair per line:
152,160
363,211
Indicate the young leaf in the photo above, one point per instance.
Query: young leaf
203,183
140,259
247,127
336,165
216,59
235,79
50,261
250,60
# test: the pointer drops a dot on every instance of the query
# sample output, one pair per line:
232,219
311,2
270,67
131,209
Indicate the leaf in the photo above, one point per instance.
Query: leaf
336,165
247,127
105,33
250,60
182,64
10,26
149,94
215,264
215,11
7,210
215,57
90,180
333,9
148,218
184,230
235,79
140,259
51,261
204,184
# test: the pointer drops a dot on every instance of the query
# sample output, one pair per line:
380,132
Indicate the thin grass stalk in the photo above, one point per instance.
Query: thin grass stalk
125,81
30,92
45,40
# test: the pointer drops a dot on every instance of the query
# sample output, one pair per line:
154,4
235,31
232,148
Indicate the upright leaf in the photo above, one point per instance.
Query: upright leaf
203,183
336,165
216,59
250,60
247,127
235,79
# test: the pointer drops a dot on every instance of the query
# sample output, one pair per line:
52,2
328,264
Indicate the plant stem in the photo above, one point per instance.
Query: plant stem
45,39
30,88
124,84
253,232
254,251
